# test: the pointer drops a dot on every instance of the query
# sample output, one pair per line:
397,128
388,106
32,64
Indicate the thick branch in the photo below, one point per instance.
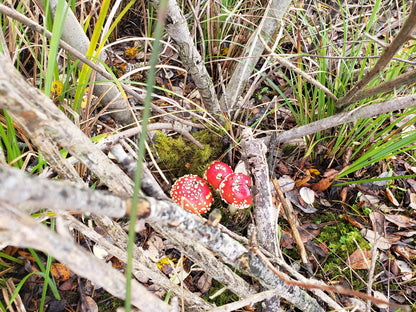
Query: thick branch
170,217
254,51
21,230
74,35
51,130
349,116
177,28
254,150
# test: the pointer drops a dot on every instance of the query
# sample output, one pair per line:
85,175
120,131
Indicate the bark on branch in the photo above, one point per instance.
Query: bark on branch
169,215
19,229
348,116
177,28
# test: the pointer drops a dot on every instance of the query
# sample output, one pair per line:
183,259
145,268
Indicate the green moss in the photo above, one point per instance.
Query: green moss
341,239
180,157
224,298
109,303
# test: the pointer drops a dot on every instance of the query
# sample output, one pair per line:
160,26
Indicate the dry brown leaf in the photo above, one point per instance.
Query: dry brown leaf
401,220
331,173
382,242
412,199
412,183
286,240
353,222
405,251
305,180
88,304
322,185
204,283
343,194
346,157
60,272
286,183
391,198
360,259
405,270
377,220
370,199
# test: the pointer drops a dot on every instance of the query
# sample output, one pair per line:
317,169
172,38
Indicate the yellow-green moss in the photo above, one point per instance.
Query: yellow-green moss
342,239
179,156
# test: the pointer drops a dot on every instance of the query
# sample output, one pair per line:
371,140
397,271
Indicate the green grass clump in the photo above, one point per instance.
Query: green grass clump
182,157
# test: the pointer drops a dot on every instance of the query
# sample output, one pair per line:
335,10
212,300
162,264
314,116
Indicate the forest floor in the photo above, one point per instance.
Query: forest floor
354,231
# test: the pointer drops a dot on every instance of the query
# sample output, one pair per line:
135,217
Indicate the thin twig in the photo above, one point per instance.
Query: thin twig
386,56
292,67
292,219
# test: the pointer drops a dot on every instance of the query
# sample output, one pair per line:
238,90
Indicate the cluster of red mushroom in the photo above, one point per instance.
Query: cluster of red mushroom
193,193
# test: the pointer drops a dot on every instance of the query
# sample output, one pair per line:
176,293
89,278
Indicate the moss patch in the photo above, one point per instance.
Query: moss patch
181,157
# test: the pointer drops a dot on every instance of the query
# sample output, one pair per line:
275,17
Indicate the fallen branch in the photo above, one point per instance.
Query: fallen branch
168,216
138,95
19,229
349,116
388,53
177,28
275,11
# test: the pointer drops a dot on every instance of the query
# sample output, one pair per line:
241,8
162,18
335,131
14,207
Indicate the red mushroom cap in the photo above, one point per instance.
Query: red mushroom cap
216,172
235,190
192,193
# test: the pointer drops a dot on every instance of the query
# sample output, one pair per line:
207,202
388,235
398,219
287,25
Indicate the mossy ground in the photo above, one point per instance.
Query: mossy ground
179,156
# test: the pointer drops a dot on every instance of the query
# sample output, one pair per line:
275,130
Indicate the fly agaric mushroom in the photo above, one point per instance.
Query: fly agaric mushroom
235,190
192,193
216,172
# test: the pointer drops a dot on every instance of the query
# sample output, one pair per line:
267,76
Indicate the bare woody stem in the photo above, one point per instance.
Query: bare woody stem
403,35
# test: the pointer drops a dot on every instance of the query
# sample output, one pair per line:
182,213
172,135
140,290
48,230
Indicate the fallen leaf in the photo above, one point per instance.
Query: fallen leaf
370,199
116,263
88,304
155,247
314,171
343,194
346,156
164,264
294,199
307,195
132,52
377,220
360,259
400,220
282,169
204,283
405,251
412,199
286,183
317,249
306,179
412,183
382,242
391,198
99,252
60,271
380,295
405,270
331,173
322,185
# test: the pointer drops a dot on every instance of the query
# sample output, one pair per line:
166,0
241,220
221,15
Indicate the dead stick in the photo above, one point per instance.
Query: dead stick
291,218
